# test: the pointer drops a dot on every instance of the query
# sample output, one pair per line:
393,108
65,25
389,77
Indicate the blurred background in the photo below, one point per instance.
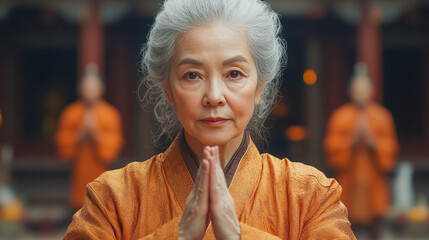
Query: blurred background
45,44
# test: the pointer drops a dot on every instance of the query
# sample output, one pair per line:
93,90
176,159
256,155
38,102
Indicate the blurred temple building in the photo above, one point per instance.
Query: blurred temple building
45,44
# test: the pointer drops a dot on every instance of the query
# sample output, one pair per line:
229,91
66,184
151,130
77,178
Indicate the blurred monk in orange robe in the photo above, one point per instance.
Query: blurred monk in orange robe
361,146
89,134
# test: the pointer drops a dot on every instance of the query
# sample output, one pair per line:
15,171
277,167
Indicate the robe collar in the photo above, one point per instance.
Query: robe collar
230,169
242,186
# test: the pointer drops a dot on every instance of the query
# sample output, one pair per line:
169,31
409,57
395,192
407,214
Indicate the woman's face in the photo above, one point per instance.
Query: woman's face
213,83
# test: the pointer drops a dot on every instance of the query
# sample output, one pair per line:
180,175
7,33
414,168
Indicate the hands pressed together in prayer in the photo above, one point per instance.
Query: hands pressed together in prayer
209,201
363,132
88,128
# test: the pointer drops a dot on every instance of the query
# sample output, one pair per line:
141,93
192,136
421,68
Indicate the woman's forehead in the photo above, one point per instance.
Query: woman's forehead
208,40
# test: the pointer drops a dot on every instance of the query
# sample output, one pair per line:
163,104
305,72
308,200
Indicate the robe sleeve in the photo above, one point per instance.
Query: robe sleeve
330,220
170,230
327,216
65,138
110,139
338,143
249,232
94,221
386,145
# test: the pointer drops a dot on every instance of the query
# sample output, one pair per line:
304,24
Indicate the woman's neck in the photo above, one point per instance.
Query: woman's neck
225,150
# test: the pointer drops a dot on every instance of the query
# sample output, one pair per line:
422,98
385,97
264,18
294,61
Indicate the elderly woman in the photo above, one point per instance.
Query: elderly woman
211,67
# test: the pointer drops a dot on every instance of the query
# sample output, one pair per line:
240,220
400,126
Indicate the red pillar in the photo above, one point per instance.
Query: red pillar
91,39
122,83
369,45
335,74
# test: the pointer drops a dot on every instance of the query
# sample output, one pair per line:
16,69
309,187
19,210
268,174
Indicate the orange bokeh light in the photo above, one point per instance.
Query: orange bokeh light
310,77
296,133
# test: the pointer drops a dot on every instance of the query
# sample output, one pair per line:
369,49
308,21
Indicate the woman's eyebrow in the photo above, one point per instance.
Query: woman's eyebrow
238,58
190,61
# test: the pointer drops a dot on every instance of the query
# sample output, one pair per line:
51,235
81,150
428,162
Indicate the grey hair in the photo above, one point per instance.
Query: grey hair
178,16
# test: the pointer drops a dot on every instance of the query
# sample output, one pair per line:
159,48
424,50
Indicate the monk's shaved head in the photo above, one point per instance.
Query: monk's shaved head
361,87
91,74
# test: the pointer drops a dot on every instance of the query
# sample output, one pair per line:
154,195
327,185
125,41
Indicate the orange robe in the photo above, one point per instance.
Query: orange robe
274,199
90,158
360,170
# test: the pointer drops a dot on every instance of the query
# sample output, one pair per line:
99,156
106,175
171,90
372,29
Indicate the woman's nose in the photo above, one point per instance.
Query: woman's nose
214,95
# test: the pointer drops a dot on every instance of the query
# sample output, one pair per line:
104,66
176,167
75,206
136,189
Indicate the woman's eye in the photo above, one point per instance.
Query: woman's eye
191,75
235,74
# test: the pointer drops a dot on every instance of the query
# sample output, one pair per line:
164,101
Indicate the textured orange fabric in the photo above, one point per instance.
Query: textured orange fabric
273,198
90,158
362,171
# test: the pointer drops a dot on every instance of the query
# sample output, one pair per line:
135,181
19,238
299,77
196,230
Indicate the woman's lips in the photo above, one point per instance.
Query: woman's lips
214,121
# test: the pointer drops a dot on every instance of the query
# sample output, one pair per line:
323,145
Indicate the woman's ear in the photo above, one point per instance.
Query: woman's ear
167,91
259,91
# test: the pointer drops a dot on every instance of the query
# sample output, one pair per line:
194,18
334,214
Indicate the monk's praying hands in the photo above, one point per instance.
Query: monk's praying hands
210,197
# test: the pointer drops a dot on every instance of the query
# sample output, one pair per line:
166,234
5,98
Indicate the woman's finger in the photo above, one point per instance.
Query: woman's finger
218,186
220,176
202,187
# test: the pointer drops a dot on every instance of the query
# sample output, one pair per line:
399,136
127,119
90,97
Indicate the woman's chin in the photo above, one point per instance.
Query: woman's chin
216,138
214,141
